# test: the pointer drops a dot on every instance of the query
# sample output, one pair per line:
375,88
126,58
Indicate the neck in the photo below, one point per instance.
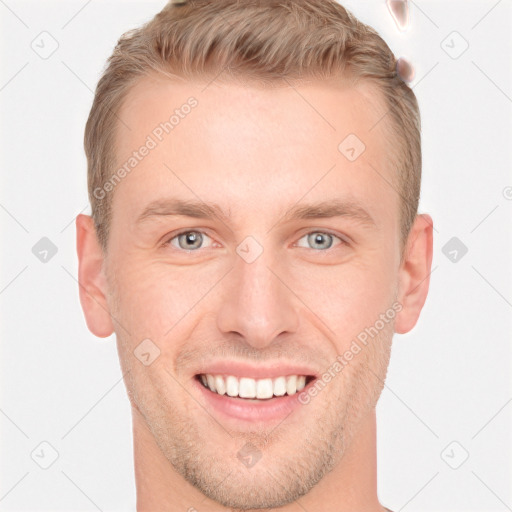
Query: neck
352,485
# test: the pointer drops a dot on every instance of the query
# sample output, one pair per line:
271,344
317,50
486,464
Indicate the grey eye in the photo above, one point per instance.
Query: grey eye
319,240
190,240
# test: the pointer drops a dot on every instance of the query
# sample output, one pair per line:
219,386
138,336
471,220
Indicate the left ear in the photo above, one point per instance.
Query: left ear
414,273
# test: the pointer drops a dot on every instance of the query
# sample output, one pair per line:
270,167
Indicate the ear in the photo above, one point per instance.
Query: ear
414,273
91,278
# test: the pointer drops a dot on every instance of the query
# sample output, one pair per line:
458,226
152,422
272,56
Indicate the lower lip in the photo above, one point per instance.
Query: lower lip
268,410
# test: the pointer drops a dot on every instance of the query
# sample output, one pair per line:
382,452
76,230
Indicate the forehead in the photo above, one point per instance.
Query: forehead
232,143
325,106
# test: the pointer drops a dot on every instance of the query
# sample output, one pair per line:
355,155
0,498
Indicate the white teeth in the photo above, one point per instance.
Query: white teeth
280,386
231,386
291,384
247,388
211,382
264,388
220,385
254,388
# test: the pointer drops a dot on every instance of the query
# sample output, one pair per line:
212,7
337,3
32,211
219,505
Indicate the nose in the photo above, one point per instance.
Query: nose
257,303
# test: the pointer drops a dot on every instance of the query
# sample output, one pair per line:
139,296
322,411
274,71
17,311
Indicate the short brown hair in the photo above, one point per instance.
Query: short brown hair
265,41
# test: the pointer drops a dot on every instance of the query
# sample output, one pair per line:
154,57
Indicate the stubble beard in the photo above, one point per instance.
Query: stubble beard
295,455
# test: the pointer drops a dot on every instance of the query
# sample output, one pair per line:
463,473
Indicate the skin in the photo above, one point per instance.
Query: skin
256,153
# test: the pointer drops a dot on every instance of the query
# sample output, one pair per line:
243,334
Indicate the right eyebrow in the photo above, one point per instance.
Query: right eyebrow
173,206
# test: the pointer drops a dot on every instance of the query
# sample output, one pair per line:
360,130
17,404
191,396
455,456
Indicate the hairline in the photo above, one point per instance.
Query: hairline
363,85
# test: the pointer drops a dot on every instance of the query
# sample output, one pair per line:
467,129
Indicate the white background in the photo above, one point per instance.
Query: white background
449,379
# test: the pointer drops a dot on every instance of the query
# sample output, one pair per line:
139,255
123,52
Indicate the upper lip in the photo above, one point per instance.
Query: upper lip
269,370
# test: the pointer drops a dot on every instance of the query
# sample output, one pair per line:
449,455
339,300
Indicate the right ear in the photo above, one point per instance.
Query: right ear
91,279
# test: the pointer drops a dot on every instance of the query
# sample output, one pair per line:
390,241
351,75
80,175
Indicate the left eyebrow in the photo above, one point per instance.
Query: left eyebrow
329,209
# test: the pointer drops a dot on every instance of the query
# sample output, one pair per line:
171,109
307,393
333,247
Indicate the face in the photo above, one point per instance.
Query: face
297,256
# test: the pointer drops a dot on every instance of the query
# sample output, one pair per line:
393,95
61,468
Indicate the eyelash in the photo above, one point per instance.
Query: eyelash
176,235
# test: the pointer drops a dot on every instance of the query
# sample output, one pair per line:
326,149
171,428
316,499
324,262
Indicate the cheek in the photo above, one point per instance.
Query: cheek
153,297
347,298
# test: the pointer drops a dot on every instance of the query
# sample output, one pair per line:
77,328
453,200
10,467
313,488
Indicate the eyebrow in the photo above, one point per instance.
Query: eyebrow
200,210
173,207
329,209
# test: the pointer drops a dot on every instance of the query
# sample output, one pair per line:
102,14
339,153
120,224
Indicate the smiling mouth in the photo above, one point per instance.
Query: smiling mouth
254,390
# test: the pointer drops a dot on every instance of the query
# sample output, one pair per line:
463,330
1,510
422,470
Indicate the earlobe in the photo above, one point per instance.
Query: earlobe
414,273
91,279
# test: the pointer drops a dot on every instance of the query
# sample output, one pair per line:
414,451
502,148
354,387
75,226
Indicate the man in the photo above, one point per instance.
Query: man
254,176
